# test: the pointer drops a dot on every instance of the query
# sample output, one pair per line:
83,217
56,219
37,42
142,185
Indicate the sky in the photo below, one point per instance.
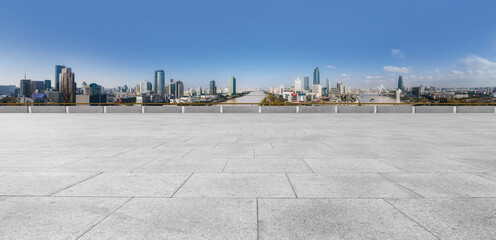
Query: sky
263,43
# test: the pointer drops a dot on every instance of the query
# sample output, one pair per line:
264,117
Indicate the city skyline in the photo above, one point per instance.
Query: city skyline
451,45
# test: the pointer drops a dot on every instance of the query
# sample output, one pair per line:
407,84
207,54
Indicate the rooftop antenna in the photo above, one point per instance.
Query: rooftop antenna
25,76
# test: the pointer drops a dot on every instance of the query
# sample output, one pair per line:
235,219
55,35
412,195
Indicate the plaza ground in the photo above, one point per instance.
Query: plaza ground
247,176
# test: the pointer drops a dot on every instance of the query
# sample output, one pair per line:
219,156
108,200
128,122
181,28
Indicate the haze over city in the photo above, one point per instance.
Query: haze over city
362,44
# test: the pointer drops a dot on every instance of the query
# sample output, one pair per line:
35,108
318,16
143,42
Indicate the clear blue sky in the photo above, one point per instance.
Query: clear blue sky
262,42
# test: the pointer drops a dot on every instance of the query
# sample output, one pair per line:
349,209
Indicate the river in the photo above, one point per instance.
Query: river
252,97
371,98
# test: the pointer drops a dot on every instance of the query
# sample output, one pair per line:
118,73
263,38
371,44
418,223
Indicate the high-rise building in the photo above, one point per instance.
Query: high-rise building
67,86
159,82
48,84
7,89
58,70
37,86
317,89
149,86
298,85
144,86
25,88
172,88
316,76
401,85
232,85
328,86
306,83
179,89
339,87
213,88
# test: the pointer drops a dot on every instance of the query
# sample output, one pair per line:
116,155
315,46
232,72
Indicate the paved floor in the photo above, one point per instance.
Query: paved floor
247,176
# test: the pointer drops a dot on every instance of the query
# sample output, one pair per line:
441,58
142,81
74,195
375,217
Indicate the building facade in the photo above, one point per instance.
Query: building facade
306,83
316,76
232,86
58,71
213,88
67,86
298,85
401,85
25,88
179,91
160,82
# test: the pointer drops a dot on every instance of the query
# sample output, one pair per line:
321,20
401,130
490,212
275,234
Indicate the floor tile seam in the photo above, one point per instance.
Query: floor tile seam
225,165
103,219
180,186
308,165
184,155
404,188
249,197
74,184
411,218
144,164
63,164
123,152
482,176
387,164
258,220
291,184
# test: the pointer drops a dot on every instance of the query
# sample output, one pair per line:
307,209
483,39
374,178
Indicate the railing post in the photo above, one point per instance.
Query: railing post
104,109
454,109
259,109
413,109
336,109
375,108
142,109
221,109
29,109
66,109
182,109
298,109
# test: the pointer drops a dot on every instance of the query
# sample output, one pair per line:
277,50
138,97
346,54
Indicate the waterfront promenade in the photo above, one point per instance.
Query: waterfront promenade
248,176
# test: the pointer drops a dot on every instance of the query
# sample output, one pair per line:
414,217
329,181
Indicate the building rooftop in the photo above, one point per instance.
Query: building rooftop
248,176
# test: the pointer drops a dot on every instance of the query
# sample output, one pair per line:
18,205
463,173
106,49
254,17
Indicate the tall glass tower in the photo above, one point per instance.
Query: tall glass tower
213,88
159,86
306,83
232,85
401,84
316,76
58,70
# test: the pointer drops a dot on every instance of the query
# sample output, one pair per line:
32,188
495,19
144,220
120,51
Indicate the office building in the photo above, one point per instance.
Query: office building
213,88
58,70
179,89
401,85
48,84
172,89
67,86
306,83
328,86
298,85
160,82
25,88
232,86
37,86
339,87
7,89
316,76
317,89
144,86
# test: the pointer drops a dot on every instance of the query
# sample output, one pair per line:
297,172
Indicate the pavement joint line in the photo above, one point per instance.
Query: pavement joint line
296,195
383,175
177,190
271,145
258,221
388,164
160,145
103,219
302,159
123,152
191,150
215,145
263,198
482,176
142,165
407,216
225,165
74,184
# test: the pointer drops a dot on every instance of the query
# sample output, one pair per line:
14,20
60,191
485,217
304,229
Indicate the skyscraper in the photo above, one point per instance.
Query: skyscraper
339,87
37,86
144,86
58,70
67,86
232,86
172,88
160,82
179,89
48,84
25,88
316,76
155,83
213,88
306,84
328,86
298,85
401,84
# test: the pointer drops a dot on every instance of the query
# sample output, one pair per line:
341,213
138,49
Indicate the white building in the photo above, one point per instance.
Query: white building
298,85
317,90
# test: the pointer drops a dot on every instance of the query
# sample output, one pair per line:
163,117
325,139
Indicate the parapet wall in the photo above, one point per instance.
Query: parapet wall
339,109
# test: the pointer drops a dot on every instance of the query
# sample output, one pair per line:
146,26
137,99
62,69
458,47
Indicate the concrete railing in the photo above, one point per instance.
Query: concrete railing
249,109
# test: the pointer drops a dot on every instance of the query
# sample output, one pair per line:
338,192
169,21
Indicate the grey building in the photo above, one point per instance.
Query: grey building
213,88
7,89
58,70
316,76
328,86
37,86
232,86
25,88
67,86
179,89
48,84
306,83
172,88
160,82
